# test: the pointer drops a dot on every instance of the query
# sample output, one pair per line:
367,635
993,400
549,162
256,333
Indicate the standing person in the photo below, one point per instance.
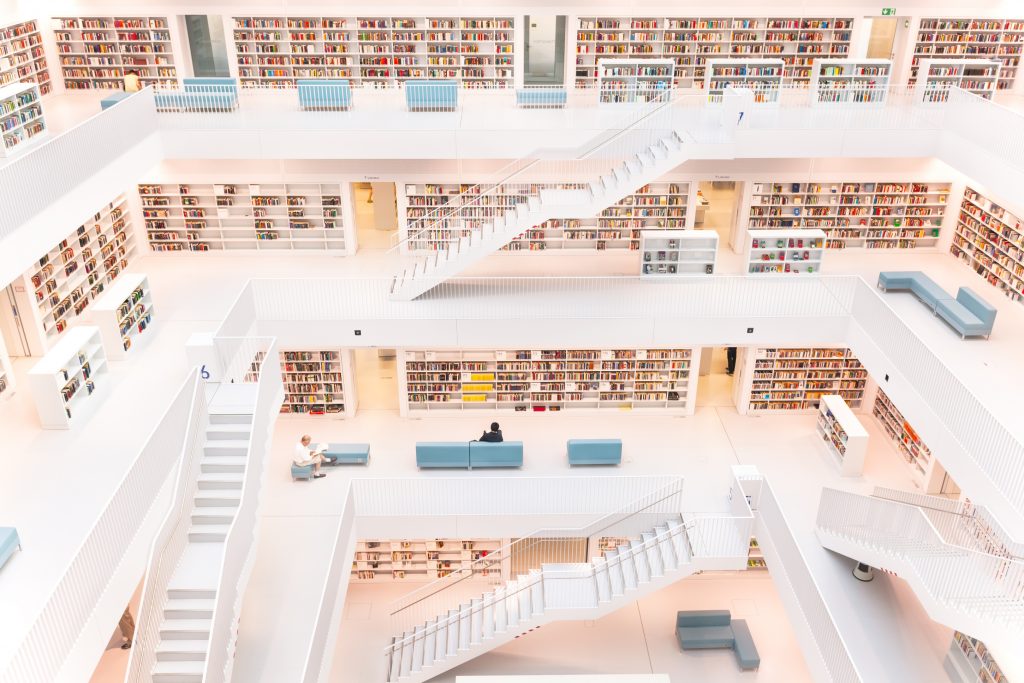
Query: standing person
305,456
493,436
730,360
131,81
127,626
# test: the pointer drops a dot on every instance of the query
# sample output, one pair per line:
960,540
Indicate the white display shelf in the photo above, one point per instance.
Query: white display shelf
795,379
422,560
874,215
124,314
96,52
990,240
960,38
317,383
755,557
842,435
937,76
274,51
690,41
763,76
22,57
785,252
634,80
22,123
202,217
63,381
677,253
914,451
864,81
645,380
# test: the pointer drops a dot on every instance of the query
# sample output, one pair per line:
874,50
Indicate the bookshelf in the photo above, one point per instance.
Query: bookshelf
316,383
937,76
972,662
63,381
914,451
990,240
95,52
21,117
873,215
690,41
549,380
273,51
951,39
842,434
124,314
633,80
422,560
22,57
851,80
755,556
763,76
668,253
69,277
785,252
797,378
197,217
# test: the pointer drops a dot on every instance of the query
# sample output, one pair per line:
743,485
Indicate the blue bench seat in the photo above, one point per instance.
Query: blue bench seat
324,94
348,453
9,542
715,629
469,454
594,451
442,454
504,454
968,313
112,99
547,98
431,95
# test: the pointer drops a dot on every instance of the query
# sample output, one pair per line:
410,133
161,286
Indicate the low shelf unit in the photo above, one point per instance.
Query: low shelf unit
63,381
21,118
785,252
23,56
124,314
96,52
796,379
907,442
990,240
633,79
965,38
423,560
970,661
937,76
863,81
318,383
676,253
755,556
763,76
842,434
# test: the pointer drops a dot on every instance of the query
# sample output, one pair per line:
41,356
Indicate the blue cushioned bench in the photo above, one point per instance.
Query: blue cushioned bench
715,629
200,95
469,454
112,99
431,95
442,454
546,98
9,542
504,454
324,94
968,313
301,472
348,453
594,451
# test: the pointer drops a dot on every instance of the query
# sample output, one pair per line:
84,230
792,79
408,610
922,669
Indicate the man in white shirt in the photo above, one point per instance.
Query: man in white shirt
305,456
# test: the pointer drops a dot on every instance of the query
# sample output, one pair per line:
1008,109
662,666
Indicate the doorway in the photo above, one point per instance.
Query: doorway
718,205
376,375
375,210
544,40
714,381
882,37
206,45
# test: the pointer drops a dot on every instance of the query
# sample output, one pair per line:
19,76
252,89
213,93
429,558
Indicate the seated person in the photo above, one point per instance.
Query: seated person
305,456
493,436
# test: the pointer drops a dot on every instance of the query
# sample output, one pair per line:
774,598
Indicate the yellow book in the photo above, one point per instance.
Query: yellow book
473,398
478,387
482,376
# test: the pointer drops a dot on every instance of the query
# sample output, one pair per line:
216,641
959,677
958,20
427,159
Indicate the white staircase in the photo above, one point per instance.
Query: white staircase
562,591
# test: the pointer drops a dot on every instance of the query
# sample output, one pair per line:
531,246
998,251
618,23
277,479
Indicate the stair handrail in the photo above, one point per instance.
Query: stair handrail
658,101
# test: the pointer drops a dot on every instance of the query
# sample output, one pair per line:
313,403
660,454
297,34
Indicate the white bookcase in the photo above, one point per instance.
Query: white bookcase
910,446
990,240
21,117
22,57
124,314
634,80
676,253
936,76
863,81
874,215
423,560
795,379
199,217
274,51
95,52
970,661
960,38
842,434
785,252
550,380
763,76
318,382
63,381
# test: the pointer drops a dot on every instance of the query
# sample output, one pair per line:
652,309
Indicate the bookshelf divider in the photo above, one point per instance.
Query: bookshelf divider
990,240
124,314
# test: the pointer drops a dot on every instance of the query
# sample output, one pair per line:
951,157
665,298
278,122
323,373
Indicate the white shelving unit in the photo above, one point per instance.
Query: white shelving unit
21,118
676,253
543,381
785,252
200,217
755,557
863,81
937,76
842,435
763,76
318,382
633,80
960,38
123,314
422,560
63,381
969,661
795,379
990,240
22,57
909,445
96,52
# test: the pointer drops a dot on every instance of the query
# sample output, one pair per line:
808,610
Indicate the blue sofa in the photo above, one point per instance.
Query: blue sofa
469,454
200,95
968,313
542,98
715,629
9,542
431,95
324,94
112,99
594,451
504,454
348,453
442,454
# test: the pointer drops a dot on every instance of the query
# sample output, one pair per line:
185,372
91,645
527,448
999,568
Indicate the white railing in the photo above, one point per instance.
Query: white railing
973,119
49,640
169,544
249,357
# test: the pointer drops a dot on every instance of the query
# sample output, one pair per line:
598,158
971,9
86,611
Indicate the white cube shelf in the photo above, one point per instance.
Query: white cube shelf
123,314
21,118
62,382
674,253
763,76
634,80
842,434
785,252
936,76
863,81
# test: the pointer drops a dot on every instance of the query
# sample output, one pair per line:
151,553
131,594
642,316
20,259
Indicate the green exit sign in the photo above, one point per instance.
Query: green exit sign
888,11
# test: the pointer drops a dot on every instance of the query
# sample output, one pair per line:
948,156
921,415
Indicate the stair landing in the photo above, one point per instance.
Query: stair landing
199,568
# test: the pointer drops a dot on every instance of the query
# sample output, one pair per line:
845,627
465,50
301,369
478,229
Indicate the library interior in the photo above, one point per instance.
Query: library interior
509,342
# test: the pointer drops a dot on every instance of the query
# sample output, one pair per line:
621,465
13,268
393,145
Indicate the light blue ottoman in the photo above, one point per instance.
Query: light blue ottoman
9,542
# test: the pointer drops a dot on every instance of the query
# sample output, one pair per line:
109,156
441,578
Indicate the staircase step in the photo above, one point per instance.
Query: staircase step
185,629
189,608
222,463
229,418
220,481
213,515
178,672
191,593
181,650
208,533
643,568
668,551
615,573
228,432
234,447
629,570
214,499
675,526
654,560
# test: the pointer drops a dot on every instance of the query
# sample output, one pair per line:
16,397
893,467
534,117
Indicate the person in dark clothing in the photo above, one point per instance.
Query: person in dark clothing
493,436
730,364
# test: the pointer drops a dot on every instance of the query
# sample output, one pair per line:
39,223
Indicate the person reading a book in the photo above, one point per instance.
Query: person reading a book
305,456
131,81
493,436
